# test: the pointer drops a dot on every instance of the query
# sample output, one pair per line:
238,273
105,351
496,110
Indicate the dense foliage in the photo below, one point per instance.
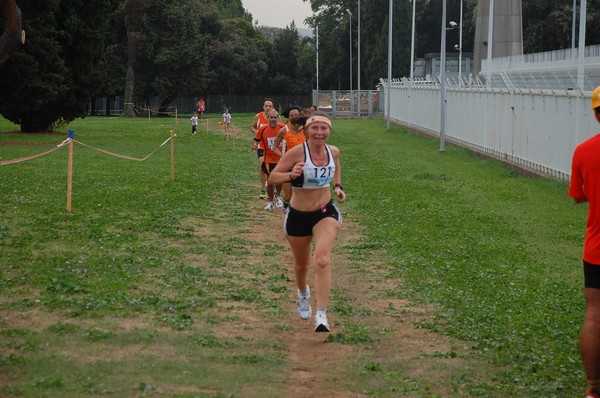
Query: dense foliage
52,78
547,24
77,51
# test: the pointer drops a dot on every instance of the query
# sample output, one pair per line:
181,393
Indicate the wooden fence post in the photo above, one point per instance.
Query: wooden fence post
172,156
70,172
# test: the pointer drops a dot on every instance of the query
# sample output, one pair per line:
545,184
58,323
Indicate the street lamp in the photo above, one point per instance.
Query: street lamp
350,48
443,78
459,49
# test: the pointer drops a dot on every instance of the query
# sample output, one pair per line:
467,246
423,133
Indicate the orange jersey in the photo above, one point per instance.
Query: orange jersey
292,140
586,184
266,136
262,121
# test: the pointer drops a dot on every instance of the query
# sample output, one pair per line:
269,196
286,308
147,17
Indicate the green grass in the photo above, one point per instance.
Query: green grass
499,253
142,263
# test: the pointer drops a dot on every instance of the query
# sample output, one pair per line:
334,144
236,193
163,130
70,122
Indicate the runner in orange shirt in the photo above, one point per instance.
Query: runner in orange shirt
292,135
260,120
266,137
201,107
585,187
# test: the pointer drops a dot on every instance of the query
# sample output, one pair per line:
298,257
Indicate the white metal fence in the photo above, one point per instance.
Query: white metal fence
534,129
530,113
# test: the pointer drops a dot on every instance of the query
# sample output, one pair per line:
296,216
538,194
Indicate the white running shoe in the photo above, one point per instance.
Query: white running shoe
303,305
321,323
278,201
269,206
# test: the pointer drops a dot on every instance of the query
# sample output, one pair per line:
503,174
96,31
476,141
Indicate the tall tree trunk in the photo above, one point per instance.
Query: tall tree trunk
133,39
133,23
13,36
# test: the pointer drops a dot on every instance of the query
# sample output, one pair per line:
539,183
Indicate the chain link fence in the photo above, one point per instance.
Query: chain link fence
186,105
363,103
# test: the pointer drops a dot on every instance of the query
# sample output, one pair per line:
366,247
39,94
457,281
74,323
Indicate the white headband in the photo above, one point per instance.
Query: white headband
318,118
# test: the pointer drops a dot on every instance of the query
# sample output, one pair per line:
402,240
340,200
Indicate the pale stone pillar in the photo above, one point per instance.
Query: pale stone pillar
507,34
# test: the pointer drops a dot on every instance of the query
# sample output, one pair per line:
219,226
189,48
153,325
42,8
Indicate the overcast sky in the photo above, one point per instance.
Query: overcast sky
278,13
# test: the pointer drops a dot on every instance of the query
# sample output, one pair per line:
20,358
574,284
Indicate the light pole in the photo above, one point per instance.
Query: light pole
412,41
358,74
460,44
443,78
490,40
573,25
581,49
317,47
350,51
389,82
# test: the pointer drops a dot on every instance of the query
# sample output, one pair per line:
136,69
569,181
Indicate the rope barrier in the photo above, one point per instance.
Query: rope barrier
69,142
30,157
124,156
150,110
65,142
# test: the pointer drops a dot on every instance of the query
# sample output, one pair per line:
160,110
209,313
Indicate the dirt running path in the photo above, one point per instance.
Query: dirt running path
317,368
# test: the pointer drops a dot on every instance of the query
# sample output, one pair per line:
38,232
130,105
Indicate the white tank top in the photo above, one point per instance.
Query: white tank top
313,176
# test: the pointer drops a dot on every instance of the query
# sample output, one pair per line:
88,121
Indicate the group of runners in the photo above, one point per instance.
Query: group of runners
197,116
296,170
272,139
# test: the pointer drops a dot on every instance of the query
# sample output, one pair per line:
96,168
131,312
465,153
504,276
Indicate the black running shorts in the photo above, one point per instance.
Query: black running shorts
591,275
301,223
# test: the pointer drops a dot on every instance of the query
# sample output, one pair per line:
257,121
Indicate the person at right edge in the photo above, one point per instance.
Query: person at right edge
585,187
312,216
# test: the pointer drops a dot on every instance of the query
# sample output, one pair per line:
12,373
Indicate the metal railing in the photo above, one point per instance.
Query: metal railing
363,103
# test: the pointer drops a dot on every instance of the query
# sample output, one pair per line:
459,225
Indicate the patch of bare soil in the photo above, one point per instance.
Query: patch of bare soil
316,367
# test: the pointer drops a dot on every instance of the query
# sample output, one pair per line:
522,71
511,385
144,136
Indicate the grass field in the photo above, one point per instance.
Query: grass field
153,287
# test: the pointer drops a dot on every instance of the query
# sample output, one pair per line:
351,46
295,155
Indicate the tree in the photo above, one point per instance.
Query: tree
113,64
375,50
13,36
283,76
229,9
547,25
175,48
134,13
53,77
239,59
332,20
307,54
